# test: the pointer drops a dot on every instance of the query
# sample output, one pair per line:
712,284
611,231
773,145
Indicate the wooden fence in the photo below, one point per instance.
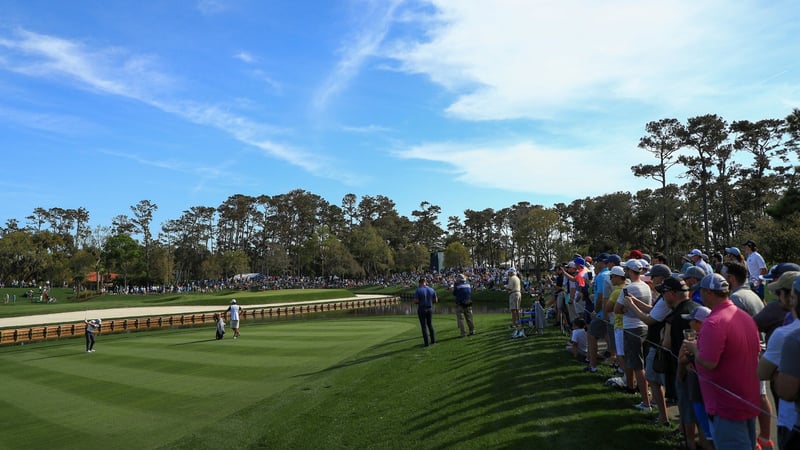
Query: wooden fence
25,335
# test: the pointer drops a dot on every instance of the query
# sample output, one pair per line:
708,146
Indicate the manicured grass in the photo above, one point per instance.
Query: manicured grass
66,301
330,381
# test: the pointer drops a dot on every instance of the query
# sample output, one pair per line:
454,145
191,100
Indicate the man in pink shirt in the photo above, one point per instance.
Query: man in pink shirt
726,357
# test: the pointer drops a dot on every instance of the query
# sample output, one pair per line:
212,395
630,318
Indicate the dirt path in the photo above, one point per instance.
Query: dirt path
144,311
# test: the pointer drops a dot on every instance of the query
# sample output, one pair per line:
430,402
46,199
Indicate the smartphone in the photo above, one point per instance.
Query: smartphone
625,292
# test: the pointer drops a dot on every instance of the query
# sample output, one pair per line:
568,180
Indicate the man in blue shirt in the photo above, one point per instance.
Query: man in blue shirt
463,293
425,297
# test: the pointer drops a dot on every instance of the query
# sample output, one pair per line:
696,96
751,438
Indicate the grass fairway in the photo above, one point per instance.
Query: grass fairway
338,382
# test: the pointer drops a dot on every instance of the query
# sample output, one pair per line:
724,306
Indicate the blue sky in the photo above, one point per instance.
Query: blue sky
466,104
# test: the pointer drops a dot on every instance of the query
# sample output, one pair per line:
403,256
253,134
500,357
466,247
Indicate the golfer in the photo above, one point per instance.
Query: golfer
235,310
91,326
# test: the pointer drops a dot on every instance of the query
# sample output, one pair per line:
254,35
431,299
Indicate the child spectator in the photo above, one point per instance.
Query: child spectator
578,343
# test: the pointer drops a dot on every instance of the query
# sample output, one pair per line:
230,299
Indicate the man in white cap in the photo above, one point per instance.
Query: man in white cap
514,299
235,310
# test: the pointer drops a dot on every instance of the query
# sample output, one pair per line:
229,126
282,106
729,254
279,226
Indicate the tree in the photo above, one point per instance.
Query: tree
664,139
142,217
456,256
763,140
427,229
122,254
705,134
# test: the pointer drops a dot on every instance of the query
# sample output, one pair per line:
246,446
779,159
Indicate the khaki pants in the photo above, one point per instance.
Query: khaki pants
462,313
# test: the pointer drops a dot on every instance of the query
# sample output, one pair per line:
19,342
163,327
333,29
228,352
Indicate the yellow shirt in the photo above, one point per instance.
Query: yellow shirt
615,294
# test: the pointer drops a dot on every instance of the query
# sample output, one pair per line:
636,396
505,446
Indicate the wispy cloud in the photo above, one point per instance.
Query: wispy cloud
245,57
375,22
54,123
211,7
115,72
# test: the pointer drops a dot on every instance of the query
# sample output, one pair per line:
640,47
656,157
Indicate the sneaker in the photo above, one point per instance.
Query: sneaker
521,333
620,371
472,333
763,443
590,369
642,407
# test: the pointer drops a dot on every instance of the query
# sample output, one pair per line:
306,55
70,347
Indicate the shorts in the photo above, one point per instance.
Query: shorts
597,328
619,340
650,374
633,341
234,324
514,300
612,338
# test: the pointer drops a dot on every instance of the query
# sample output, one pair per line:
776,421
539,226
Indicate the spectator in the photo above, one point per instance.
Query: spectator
774,313
733,254
635,330
653,316
748,301
463,293
692,276
741,294
614,288
687,374
787,383
726,357
597,325
425,297
514,299
696,257
578,345
771,359
756,267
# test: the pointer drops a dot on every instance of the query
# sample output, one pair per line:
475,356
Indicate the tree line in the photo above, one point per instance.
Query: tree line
721,202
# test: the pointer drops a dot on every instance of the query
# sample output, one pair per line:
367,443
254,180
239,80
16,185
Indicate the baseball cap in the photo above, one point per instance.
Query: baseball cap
733,251
695,252
461,277
660,270
777,270
672,284
634,265
512,270
796,285
602,257
694,272
233,301
635,254
786,281
579,261
614,259
588,259
618,271
750,243
699,314
714,282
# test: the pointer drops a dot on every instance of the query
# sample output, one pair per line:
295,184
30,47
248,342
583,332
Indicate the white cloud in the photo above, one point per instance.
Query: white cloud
376,21
539,59
529,167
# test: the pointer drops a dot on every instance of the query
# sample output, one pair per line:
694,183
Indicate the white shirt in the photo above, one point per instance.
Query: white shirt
754,265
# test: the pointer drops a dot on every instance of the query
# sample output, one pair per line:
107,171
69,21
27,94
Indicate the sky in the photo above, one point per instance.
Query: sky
464,104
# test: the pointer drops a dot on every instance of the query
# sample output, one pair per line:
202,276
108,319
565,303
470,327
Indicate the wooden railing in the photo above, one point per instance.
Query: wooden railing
25,335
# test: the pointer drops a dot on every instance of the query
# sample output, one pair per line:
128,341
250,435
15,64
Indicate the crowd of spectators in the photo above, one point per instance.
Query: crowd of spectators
694,337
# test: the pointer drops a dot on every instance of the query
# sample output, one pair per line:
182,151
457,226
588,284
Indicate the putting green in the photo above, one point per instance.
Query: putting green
143,390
